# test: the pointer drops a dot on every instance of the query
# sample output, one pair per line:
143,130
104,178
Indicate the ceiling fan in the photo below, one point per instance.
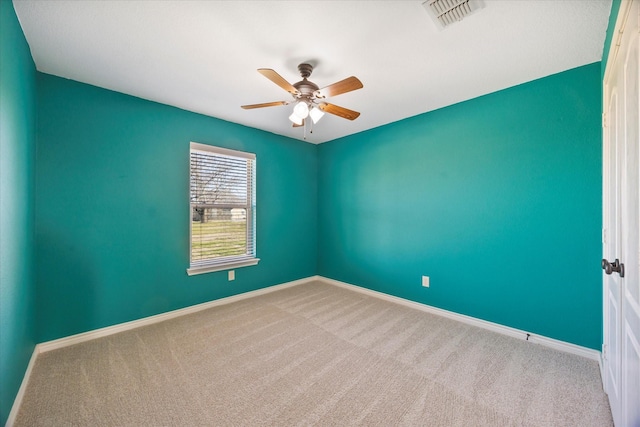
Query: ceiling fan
308,98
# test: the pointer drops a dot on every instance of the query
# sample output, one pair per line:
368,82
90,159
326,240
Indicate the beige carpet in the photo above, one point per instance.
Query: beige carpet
314,354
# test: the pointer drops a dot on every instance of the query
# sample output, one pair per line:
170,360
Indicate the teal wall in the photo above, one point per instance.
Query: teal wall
17,173
497,199
112,221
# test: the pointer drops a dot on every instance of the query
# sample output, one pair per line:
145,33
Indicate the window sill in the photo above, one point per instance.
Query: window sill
220,267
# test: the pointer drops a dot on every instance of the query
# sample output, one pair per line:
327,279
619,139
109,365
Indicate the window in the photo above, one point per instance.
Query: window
222,199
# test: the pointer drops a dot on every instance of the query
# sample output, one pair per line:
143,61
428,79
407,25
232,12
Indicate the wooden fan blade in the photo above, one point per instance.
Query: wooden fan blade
266,104
300,125
345,113
279,80
343,86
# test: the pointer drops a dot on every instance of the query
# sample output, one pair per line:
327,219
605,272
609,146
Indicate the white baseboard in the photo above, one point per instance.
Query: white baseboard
23,388
110,330
495,327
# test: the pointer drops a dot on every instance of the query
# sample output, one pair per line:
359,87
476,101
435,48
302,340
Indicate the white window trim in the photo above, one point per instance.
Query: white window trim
222,267
221,264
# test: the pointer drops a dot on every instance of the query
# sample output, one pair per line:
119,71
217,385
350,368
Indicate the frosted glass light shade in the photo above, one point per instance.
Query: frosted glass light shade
295,118
316,114
301,110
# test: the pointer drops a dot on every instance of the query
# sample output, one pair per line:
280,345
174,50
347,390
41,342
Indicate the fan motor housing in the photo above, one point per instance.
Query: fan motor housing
305,87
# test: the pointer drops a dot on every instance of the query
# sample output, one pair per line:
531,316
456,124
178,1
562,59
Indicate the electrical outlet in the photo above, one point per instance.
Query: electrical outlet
425,281
232,275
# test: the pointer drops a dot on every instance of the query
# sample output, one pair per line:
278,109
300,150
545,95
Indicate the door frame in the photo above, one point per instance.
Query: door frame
621,20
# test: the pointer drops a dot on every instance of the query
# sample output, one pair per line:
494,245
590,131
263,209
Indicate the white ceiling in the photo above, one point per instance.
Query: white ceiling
202,56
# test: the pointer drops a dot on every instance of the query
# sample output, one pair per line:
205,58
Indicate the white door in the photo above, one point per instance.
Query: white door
621,251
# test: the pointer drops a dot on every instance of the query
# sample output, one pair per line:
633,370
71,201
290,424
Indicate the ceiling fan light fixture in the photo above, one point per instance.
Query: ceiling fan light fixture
301,110
308,98
316,114
296,119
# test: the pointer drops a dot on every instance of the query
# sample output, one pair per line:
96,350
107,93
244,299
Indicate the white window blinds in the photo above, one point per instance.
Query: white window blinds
222,199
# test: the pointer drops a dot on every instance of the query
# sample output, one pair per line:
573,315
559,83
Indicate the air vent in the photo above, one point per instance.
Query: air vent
447,12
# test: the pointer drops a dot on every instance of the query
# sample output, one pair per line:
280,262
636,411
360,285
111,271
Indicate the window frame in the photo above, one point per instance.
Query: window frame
233,261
